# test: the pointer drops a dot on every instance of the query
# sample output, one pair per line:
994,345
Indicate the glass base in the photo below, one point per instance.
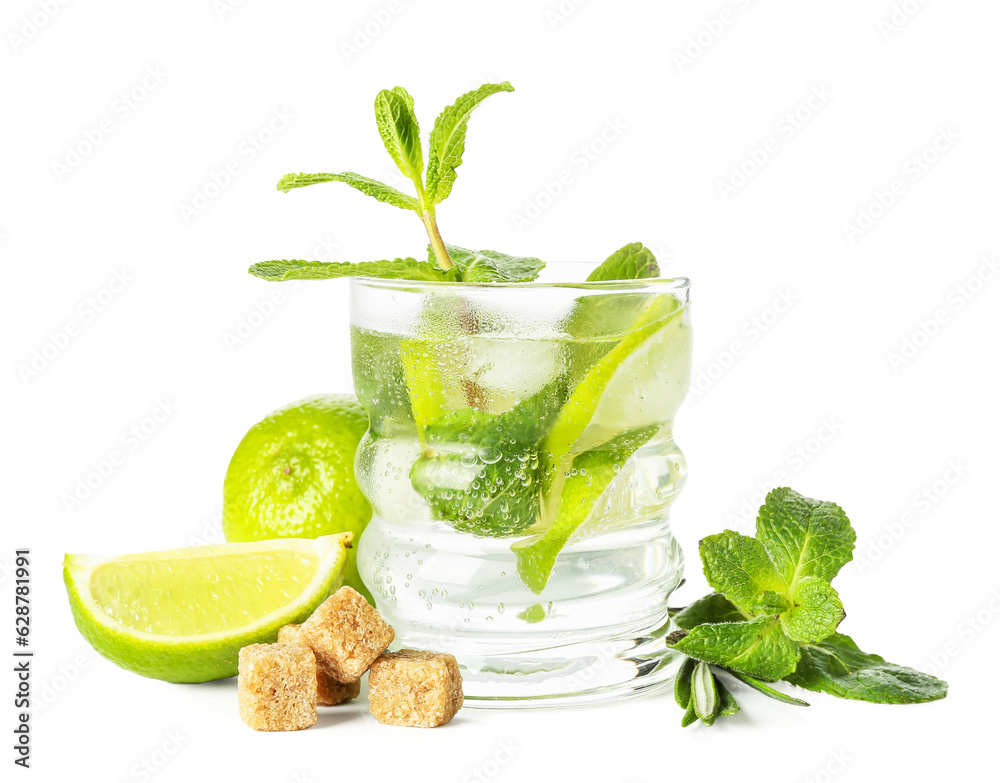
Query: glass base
574,675
595,634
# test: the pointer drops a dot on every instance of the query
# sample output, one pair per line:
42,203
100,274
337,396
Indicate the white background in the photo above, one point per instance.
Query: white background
875,435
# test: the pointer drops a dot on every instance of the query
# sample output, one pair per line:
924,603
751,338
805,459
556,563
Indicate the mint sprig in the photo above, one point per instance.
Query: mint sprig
775,614
400,132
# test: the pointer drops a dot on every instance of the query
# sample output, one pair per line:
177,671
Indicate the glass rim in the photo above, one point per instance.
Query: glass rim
671,283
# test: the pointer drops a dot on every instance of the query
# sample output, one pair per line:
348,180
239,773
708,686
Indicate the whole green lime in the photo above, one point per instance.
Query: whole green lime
292,476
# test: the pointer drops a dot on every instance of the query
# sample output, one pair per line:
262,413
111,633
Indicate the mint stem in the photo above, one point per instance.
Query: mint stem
437,243
429,219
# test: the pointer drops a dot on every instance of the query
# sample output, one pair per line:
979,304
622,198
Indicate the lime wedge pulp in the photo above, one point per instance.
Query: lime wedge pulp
182,615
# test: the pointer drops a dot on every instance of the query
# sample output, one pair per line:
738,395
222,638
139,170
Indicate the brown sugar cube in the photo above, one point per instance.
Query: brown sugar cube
328,690
347,634
414,688
277,687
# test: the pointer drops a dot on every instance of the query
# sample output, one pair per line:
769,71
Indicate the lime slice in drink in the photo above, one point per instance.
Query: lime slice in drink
586,447
182,615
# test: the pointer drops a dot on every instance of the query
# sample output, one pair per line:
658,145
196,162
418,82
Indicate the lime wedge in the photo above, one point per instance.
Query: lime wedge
182,615
593,471
582,460
565,438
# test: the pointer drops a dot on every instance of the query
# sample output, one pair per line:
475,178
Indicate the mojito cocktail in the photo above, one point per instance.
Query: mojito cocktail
520,463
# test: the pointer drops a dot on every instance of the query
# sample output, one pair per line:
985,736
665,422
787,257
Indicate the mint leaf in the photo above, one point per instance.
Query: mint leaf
532,614
704,695
589,474
397,124
756,647
398,269
837,666
682,683
757,685
727,702
406,97
371,187
816,611
712,608
479,471
738,567
689,716
804,537
447,142
631,262
491,266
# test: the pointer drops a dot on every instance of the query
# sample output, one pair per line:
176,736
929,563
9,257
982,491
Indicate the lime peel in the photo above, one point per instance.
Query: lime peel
199,657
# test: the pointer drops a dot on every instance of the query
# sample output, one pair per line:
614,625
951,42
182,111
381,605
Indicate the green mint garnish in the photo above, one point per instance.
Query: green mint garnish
704,694
371,187
480,471
775,614
532,614
400,132
632,262
712,608
756,647
432,184
767,690
701,694
779,580
447,143
398,269
836,666
490,266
